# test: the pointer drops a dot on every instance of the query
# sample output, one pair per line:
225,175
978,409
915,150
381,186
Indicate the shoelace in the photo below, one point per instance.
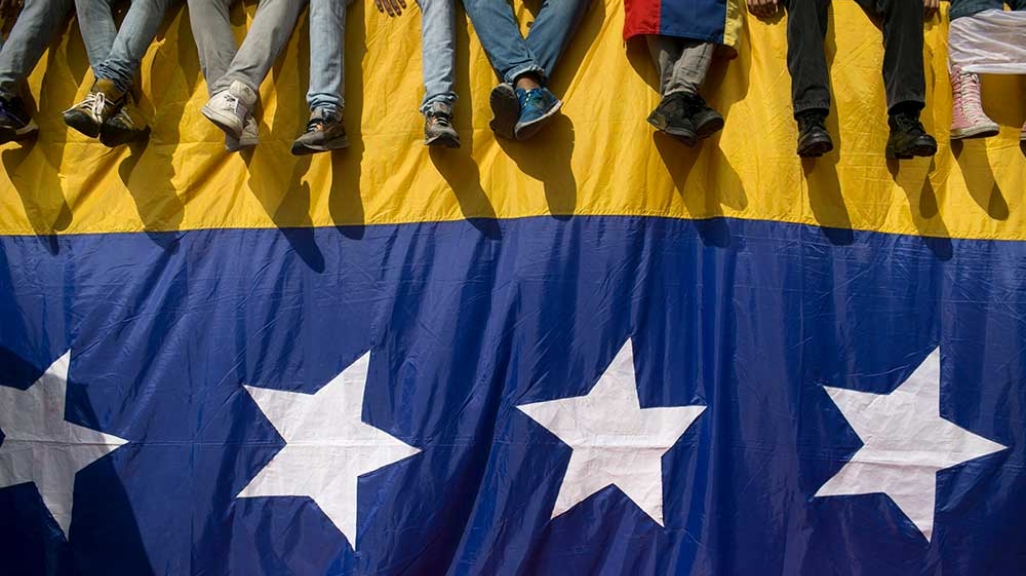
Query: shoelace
314,125
533,97
442,119
95,101
909,124
232,101
812,121
968,89
693,104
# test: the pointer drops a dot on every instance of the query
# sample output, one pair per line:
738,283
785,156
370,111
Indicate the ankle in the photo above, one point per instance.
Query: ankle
529,81
908,110
810,115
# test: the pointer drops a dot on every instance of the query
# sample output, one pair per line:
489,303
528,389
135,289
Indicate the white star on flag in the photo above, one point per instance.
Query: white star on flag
905,443
614,440
327,446
43,448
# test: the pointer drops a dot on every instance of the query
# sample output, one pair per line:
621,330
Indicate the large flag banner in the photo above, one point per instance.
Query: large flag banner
596,353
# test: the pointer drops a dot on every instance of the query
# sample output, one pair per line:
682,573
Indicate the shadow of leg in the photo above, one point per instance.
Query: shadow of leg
547,157
825,197
925,208
982,184
464,177
35,178
286,199
148,175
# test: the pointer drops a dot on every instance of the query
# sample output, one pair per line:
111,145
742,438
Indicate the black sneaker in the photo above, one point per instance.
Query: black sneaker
125,126
15,123
706,120
438,130
88,116
908,137
324,132
672,116
813,138
506,111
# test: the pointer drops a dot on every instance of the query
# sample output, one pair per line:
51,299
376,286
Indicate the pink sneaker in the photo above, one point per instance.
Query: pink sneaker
967,118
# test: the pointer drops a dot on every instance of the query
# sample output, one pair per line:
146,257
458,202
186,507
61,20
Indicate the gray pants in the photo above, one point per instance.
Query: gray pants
38,22
221,59
682,63
115,53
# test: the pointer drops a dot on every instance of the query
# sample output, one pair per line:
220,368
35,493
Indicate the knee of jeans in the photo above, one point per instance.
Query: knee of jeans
960,9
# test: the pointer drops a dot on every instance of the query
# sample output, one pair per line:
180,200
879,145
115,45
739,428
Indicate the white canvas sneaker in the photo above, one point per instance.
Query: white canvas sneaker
230,108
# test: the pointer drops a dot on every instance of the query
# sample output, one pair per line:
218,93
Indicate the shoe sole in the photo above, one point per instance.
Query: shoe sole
306,149
233,145
658,121
974,132
506,111
442,141
525,131
709,128
82,125
8,134
229,124
114,138
921,150
816,149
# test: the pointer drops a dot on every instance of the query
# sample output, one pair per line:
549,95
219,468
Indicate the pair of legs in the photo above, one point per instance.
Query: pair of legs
114,54
36,25
982,38
234,73
683,64
904,76
524,63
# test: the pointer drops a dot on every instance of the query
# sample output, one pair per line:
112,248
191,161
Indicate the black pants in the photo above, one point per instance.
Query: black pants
903,51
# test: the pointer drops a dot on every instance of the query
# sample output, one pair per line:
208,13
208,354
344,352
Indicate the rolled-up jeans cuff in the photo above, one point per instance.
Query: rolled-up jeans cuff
914,99
800,107
449,99
513,74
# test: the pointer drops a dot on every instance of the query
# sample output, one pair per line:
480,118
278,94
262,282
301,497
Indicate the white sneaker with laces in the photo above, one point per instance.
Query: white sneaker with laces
230,108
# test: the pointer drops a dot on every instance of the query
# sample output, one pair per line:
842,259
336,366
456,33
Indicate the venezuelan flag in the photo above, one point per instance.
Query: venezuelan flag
599,352
716,21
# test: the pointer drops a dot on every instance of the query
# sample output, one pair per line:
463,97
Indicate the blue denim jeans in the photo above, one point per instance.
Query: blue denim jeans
222,60
327,58
438,48
960,8
510,53
115,54
38,21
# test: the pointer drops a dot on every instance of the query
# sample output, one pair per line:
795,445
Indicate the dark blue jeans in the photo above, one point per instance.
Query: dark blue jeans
960,8
904,77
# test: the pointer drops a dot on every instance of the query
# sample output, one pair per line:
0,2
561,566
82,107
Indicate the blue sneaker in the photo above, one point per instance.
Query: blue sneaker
15,123
536,107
